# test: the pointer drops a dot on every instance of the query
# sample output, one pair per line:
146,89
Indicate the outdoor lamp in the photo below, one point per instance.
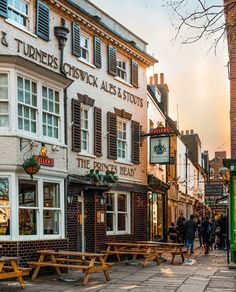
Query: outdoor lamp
70,198
103,198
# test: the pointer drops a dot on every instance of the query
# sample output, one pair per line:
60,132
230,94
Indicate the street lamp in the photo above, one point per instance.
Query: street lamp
70,198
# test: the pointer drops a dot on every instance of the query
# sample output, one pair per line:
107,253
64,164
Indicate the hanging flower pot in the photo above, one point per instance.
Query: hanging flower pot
31,166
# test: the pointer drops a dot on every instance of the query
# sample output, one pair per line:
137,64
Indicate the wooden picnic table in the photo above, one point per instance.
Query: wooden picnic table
86,262
148,251
169,247
9,269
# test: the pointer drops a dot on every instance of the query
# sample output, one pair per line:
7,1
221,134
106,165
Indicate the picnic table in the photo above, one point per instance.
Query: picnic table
86,262
148,251
9,269
169,247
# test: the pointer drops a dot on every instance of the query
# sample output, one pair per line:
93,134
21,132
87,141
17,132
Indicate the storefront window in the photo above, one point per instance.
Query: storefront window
28,207
118,213
4,206
51,205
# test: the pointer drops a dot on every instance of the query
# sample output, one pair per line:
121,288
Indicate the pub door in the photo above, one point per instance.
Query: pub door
81,239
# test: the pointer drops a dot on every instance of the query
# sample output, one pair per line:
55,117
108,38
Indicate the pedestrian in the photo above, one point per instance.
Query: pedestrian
181,227
199,231
206,233
223,232
190,229
173,233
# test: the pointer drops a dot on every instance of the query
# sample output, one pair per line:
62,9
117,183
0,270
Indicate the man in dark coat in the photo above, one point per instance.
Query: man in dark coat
190,228
206,233
181,227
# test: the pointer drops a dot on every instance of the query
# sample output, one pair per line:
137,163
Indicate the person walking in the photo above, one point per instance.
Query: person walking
181,227
199,231
206,233
190,229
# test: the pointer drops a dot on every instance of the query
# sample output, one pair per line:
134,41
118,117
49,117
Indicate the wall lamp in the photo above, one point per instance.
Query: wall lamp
103,198
55,148
70,198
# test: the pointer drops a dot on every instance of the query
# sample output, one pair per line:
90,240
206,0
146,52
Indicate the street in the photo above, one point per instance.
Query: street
207,273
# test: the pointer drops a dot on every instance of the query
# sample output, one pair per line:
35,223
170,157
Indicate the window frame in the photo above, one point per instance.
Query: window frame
6,100
116,212
84,35
90,129
119,69
127,159
20,13
10,181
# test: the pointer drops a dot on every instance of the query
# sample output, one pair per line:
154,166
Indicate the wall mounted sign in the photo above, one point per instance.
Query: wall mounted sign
45,160
214,189
159,150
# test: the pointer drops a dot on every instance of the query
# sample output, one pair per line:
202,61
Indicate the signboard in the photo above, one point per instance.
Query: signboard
160,150
45,160
218,207
214,189
160,130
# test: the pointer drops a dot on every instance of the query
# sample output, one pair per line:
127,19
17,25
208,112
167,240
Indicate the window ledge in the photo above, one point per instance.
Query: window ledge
117,233
11,22
87,63
87,155
124,162
123,81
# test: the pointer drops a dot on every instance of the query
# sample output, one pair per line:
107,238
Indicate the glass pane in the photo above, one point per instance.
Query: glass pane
51,107
27,222
26,125
3,107
20,82
50,94
27,97
3,93
45,104
110,222
121,222
51,221
28,193
27,85
122,206
49,119
33,127
44,131
44,91
20,123
55,122
57,108
44,118
4,191
4,121
55,133
34,100
57,96
51,195
4,221
110,202
26,112
3,79
20,95
49,131
33,114
34,87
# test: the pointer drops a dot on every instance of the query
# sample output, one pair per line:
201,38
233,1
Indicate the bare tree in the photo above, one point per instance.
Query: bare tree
202,19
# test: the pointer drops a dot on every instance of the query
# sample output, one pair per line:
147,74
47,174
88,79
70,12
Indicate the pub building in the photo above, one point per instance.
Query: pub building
72,108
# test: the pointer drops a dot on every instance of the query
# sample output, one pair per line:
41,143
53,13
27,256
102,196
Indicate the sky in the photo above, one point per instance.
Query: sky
197,79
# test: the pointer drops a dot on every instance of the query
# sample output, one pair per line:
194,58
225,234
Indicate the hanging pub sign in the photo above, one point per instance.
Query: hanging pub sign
160,150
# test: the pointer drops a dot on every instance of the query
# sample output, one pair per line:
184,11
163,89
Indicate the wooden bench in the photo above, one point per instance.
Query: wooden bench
9,269
86,262
149,252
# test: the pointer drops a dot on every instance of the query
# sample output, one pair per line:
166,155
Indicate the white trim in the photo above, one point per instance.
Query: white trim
87,63
21,27
123,81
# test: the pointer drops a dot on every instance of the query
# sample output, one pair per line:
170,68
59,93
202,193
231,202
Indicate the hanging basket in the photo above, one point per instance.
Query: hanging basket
31,166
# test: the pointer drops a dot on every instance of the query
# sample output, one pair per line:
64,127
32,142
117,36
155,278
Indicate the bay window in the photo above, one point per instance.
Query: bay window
4,206
118,213
4,100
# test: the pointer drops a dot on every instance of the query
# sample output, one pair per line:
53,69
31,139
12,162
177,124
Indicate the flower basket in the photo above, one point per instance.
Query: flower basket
110,177
95,175
31,166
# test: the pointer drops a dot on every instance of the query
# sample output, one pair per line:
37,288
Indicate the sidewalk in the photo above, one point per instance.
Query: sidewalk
209,274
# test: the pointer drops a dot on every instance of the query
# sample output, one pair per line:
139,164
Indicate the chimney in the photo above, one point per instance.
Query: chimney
191,132
155,79
150,80
187,132
162,78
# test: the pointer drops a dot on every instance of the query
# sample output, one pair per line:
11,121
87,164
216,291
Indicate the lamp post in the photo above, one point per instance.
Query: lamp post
231,165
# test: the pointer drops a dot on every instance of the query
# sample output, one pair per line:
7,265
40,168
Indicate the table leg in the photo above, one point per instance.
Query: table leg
55,262
86,272
16,270
117,255
106,273
36,270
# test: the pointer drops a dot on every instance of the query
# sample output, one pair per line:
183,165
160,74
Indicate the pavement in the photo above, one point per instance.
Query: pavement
205,273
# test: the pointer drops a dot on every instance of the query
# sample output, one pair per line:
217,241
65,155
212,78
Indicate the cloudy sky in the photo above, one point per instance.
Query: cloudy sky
197,79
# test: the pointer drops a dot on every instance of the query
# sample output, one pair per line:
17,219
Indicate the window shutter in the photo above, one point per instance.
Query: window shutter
134,73
42,21
97,131
76,40
97,52
3,8
111,60
76,134
112,136
135,130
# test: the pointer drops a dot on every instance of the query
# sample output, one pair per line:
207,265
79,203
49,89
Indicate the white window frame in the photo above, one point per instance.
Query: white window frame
89,130
40,228
10,181
88,50
6,101
127,158
115,212
120,70
20,13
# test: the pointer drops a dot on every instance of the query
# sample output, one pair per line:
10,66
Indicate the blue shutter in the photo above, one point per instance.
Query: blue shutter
3,8
76,40
97,52
111,60
42,21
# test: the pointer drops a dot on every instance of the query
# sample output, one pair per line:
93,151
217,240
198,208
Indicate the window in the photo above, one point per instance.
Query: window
4,207
27,104
51,112
4,100
121,69
86,129
18,11
121,140
85,47
118,213
39,205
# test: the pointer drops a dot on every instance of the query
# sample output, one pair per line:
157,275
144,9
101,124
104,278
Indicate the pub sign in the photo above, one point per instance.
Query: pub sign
160,150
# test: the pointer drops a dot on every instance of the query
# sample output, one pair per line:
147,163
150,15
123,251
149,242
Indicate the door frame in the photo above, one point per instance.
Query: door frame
81,200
